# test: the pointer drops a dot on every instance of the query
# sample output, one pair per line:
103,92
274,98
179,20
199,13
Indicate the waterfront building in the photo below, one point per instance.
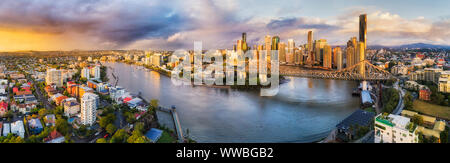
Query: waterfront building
54,76
395,129
318,48
298,55
156,60
290,52
282,52
327,56
360,117
310,55
338,58
89,103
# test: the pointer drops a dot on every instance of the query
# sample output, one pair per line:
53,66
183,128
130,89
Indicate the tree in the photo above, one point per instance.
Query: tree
62,126
408,99
101,140
417,119
137,135
42,112
104,121
120,136
111,128
154,104
444,135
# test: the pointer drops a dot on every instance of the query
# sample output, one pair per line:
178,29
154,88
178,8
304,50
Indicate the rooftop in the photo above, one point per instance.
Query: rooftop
359,117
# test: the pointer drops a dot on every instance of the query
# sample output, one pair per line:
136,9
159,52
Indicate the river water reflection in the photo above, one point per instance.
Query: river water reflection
304,110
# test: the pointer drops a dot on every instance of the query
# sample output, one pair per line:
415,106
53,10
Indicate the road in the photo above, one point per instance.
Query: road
41,97
400,104
398,110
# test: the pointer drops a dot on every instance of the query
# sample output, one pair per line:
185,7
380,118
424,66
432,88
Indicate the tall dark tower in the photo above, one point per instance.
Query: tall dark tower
363,29
275,41
244,42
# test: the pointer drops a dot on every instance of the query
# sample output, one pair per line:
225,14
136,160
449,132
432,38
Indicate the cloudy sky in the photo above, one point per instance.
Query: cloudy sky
175,24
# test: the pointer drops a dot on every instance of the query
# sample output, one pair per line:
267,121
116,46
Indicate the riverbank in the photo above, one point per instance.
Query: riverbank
167,73
304,110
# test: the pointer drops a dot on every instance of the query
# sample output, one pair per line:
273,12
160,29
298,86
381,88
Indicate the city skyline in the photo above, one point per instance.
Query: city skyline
77,24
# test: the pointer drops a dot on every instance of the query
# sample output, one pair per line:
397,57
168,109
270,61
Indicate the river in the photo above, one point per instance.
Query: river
305,110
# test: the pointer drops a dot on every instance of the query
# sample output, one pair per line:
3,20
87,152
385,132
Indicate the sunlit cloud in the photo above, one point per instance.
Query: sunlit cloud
141,24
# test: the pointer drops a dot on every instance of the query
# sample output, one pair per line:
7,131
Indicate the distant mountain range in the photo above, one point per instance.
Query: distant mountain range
412,46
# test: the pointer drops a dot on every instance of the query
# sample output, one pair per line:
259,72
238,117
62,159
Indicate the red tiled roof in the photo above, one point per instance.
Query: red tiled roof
53,135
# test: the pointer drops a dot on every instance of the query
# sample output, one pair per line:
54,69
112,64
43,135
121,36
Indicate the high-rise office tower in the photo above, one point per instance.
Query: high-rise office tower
282,52
297,55
268,47
275,41
319,45
339,58
327,56
239,45
361,54
363,29
291,52
310,39
355,53
310,48
244,42
349,56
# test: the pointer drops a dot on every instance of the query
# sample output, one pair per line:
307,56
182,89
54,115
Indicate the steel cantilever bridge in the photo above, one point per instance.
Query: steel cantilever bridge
364,70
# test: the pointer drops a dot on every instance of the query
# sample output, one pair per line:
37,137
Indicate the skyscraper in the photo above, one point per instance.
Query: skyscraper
268,47
275,41
339,58
349,56
291,52
361,54
244,42
310,48
239,48
327,56
282,52
363,29
319,45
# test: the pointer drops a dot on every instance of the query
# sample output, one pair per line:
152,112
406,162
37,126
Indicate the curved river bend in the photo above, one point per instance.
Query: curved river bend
305,110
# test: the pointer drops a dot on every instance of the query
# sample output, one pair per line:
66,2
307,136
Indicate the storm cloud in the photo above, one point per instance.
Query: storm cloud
159,24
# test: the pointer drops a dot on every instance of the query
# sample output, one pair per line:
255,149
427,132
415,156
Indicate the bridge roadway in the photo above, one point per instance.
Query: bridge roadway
369,72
